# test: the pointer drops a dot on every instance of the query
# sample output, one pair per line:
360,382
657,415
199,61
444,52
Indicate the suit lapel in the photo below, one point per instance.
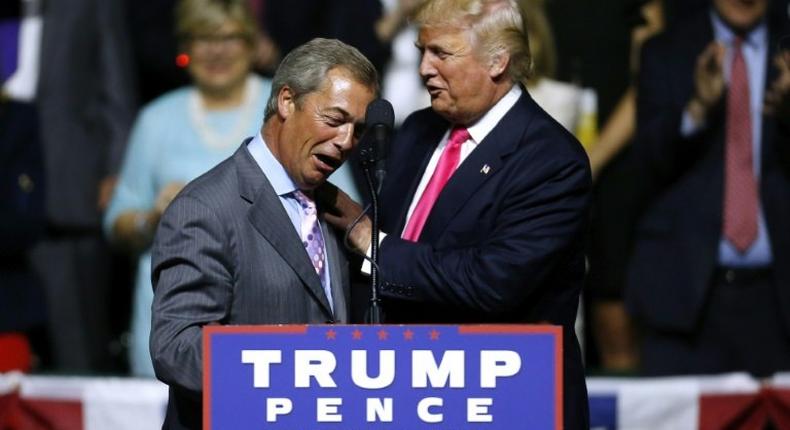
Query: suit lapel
480,166
711,204
269,218
770,138
340,292
416,150
771,73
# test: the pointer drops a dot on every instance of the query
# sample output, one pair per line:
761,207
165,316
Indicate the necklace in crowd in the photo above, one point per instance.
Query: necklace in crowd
245,111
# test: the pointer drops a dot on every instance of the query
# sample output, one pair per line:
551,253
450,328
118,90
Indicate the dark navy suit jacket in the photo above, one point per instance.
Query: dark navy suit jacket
503,243
21,216
677,239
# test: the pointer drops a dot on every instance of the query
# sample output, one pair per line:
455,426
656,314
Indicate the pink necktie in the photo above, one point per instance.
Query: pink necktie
740,185
448,162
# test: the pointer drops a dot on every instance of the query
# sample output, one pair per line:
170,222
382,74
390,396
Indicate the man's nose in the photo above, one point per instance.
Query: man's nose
426,66
345,140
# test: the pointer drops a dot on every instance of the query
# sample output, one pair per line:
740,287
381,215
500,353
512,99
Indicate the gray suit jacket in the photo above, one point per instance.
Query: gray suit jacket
227,253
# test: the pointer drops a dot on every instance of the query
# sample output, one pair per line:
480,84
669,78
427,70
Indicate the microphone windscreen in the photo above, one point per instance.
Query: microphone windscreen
379,112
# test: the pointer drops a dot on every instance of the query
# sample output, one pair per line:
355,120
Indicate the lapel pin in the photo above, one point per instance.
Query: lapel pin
486,168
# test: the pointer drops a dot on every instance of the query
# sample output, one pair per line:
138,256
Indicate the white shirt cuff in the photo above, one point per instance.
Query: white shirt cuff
366,263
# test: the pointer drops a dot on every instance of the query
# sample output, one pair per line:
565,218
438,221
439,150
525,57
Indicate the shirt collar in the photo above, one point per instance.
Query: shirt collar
722,32
274,171
479,130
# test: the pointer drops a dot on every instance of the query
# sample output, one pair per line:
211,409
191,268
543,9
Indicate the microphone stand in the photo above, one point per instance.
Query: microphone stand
374,314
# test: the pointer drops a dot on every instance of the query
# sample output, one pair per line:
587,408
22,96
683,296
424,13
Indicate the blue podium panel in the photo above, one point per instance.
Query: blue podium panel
382,377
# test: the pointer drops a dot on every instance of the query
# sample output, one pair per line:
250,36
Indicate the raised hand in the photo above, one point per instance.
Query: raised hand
777,98
708,81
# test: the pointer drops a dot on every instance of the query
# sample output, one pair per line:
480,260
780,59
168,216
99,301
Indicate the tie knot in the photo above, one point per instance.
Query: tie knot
307,204
458,135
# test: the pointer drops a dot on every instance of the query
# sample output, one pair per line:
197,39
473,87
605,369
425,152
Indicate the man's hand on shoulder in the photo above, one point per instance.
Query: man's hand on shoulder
341,211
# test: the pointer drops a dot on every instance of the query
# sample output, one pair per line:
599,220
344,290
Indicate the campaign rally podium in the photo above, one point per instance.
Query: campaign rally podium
405,377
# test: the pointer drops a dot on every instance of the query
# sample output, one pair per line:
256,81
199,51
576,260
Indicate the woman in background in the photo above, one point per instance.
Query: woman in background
562,100
184,133
401,83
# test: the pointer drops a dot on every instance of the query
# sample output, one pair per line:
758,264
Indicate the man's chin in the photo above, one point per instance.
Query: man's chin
451,115
314,181
440,107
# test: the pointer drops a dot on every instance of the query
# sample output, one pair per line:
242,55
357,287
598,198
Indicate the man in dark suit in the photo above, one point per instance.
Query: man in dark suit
84,95
22,306
486,196
708,277
242,244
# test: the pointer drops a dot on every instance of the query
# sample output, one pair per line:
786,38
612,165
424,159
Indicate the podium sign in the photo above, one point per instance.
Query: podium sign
347,377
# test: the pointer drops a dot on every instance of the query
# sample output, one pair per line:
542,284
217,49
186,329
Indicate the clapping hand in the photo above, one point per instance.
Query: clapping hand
777,98
708,81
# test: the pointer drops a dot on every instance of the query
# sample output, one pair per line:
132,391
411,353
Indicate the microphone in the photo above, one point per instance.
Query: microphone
379,118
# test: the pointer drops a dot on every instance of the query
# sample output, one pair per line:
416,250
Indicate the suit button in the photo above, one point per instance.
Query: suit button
729,276
26,184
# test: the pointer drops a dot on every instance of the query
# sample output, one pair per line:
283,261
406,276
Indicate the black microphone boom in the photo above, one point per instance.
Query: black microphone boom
379,118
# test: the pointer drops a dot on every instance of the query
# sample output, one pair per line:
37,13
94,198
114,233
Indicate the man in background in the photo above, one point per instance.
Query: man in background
708,278
74,63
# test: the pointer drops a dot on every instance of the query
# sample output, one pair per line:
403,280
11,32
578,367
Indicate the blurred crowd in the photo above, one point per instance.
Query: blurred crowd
108,108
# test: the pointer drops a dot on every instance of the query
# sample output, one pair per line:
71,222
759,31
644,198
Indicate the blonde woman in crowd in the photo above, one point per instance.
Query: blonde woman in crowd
184,133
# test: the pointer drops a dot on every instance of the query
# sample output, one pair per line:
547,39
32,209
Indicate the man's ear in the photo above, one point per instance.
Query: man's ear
498,66
286,102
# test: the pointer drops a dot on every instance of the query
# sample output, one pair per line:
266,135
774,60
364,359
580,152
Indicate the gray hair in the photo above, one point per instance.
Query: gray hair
305,68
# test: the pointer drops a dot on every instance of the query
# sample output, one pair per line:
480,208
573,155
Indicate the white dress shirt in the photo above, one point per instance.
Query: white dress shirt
477,132
284,187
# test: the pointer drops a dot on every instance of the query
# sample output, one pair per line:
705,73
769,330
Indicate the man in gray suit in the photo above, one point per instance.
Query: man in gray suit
244,243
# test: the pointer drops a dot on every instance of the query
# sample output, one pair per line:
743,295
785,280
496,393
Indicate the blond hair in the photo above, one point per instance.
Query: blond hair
496,26
541,38
205,16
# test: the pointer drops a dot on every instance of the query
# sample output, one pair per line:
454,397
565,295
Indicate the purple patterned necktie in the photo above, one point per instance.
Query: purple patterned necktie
312,239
